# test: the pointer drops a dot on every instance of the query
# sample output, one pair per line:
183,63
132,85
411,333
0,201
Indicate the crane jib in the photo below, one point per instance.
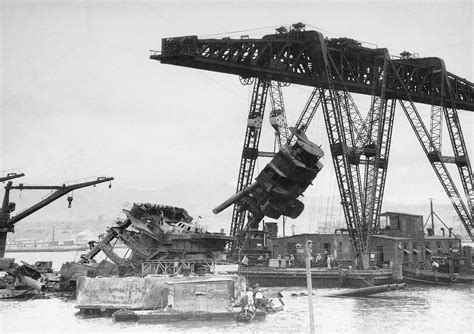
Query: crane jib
301,59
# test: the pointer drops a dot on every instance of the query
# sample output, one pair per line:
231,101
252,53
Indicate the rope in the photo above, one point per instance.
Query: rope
364,280
326,217
321,29
332,210
239,31
338,35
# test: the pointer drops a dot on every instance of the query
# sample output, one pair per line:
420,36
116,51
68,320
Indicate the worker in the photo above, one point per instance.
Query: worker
267,259
259,298
329,262
250,300
326,255
318,258
292,261
435,265
279,260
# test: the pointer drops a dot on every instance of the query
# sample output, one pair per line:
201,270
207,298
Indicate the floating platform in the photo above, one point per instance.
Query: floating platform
321,277
419,276
172,316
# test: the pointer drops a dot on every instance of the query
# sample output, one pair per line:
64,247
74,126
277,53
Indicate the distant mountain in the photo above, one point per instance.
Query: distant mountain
95,208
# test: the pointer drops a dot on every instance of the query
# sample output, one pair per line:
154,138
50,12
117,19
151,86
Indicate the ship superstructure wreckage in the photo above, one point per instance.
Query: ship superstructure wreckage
160,239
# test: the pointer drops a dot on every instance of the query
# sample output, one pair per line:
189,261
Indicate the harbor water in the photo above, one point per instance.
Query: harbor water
418,309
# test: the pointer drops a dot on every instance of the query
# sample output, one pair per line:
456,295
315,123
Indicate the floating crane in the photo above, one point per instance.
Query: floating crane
360,146
7,223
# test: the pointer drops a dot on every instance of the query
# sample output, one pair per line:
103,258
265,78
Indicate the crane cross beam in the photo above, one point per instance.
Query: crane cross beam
302,58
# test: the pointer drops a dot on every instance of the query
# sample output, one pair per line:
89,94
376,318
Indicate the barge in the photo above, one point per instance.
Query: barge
321,277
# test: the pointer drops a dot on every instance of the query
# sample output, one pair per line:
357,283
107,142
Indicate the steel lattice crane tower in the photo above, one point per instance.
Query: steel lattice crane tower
360,146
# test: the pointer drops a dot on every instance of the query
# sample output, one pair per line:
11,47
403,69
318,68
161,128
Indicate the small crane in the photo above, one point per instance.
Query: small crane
7,223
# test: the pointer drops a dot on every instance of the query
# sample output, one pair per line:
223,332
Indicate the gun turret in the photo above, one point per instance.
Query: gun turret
276,189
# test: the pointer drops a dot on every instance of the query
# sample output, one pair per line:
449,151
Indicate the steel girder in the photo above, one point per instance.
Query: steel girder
300,58
436,119
249,157
436,127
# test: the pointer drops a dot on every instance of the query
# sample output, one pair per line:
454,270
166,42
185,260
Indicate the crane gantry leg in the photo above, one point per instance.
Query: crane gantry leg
434,156
350,138
375,144
461,158
249,156
342,167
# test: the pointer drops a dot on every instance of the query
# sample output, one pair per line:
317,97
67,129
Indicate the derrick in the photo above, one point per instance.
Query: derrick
7,222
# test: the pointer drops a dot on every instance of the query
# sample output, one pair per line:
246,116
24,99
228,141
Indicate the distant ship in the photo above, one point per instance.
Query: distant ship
44,247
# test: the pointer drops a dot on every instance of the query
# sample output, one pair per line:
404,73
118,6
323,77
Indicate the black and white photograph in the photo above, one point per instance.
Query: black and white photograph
266,166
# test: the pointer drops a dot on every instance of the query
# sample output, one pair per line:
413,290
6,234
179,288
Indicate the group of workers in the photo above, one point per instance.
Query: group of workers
253,299
289,261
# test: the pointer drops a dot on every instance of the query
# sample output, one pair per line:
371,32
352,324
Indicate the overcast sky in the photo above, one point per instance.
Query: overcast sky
80,97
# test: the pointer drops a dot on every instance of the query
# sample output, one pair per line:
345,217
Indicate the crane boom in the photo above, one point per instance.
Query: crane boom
7,223
301,57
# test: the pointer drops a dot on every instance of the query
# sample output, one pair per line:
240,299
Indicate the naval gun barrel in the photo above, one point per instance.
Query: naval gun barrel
371,290
233,199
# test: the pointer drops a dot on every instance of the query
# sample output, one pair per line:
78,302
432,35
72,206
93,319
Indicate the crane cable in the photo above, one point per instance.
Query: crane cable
246,30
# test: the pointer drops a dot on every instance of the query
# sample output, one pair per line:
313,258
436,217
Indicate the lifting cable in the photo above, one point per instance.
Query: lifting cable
332,208
246,30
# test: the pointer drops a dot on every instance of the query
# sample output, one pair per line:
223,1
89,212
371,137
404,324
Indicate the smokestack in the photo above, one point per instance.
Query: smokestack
450,232
430,231
442,229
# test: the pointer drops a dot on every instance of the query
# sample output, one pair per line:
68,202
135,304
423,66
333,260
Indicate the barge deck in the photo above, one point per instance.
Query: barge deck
321,277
